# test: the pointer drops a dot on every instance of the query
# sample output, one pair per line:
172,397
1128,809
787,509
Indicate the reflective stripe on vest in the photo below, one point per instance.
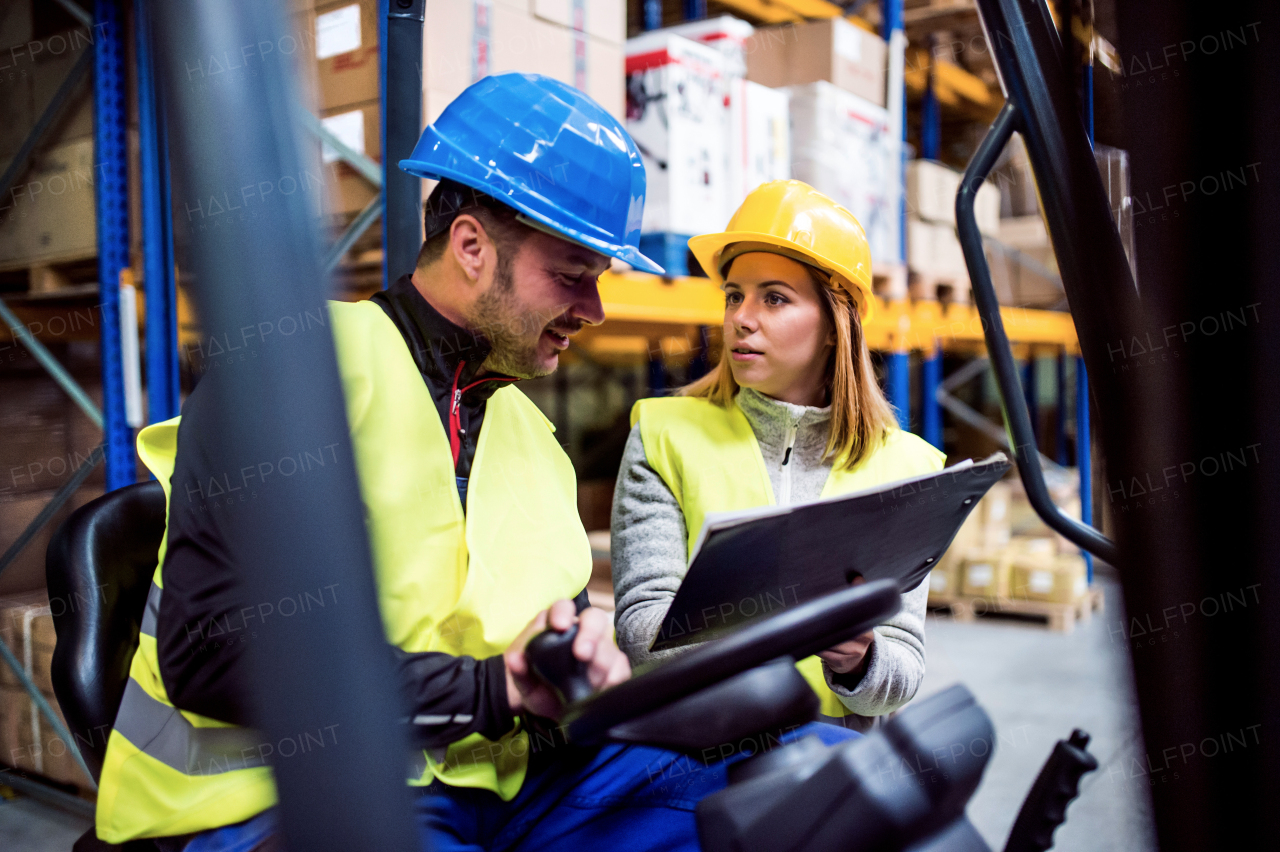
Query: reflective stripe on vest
709,458
152,612
460,584
161,732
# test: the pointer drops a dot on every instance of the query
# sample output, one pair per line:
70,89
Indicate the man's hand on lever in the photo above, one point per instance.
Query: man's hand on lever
594,645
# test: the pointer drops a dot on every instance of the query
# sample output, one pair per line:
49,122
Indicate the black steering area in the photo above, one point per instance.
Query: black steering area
903,787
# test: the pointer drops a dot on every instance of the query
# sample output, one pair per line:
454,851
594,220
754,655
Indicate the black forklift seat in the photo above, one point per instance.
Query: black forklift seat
99,565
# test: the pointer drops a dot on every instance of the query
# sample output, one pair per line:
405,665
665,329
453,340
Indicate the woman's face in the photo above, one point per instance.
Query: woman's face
776,334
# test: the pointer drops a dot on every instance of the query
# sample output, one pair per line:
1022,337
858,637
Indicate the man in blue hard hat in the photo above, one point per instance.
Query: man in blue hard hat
471,510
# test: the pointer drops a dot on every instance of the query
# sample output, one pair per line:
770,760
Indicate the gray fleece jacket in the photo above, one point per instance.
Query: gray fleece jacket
649,553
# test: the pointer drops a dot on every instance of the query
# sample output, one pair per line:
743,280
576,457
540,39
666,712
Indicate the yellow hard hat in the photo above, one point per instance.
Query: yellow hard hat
793,217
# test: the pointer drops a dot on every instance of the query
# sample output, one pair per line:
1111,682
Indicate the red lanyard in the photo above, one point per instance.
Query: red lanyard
455,419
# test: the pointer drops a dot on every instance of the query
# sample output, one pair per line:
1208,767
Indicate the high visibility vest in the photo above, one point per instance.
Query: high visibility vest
709,457
460,584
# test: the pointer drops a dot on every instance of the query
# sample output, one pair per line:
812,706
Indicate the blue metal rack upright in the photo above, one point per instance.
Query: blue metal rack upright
1084,444
111,196
930,120
930,410
652,14
897,385
400,24
163,399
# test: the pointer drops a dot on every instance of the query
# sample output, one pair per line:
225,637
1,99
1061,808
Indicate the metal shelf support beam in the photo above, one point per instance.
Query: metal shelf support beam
897,381
930,410
163,395
111,196
401,73
891,13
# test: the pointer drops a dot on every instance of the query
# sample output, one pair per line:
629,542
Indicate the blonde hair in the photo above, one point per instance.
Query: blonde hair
860,415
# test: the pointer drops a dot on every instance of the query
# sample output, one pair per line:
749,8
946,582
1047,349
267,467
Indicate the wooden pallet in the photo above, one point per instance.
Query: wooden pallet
947,288
889,281
1061,617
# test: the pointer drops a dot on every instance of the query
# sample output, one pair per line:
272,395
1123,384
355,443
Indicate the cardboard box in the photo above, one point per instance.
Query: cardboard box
931,196
26,626
1061,579
985,575
727,34
50,71
604,74
28,742
993,517
677,116
345,47
759,148
359,126
465,41
832,50
944,580
26,572
602,19
1015,180
49,214
934,249
1018,283
842,146
1028,235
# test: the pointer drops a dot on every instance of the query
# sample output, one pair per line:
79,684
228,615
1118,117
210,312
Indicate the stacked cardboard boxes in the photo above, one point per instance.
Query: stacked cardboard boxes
576,41
731,36
841,139
833,51
27,740
687,91
985,533
842,145
1026,272
1061,578
758,149
1064,490
48,215
677,115
931,196
759,139
1005,555
933,248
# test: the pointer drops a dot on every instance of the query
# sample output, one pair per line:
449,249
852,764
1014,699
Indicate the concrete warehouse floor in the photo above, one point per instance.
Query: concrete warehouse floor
1036,685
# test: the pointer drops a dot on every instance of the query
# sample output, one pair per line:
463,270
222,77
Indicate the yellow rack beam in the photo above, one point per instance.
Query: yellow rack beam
648,310
783,11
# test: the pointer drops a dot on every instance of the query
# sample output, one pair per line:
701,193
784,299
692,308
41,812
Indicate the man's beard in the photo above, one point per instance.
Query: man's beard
505,323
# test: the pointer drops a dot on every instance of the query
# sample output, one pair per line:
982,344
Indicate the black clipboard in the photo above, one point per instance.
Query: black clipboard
755,563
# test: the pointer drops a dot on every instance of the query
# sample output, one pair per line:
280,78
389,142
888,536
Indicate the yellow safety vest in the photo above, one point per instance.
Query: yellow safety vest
709,458
461,584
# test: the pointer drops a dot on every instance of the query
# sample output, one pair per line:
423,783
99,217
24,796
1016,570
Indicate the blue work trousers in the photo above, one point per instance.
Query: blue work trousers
624,798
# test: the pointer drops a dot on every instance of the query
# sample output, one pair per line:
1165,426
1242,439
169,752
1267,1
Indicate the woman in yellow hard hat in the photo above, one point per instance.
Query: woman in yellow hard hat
792,412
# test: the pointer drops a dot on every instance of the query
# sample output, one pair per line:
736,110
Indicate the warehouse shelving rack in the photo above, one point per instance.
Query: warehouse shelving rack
644,310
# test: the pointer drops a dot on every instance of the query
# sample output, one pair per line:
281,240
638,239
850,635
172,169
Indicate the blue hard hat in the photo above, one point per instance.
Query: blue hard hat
547,150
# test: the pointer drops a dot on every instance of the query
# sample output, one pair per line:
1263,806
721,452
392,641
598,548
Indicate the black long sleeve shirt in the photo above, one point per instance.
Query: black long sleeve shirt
201,619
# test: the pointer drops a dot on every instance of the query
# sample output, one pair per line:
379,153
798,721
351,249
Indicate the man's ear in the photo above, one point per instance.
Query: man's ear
470,246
